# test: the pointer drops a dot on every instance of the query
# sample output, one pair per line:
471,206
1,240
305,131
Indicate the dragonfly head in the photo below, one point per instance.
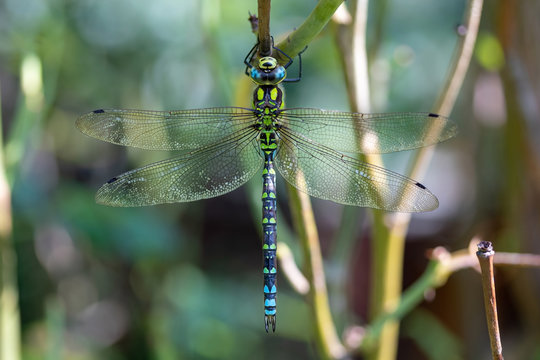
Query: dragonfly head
267,63
268,72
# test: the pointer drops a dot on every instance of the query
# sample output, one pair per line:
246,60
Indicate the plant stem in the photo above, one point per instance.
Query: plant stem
290,270
311,27
517,260
454,81
387,249
392,243
485,258
326,336
265,41
9,311
440,268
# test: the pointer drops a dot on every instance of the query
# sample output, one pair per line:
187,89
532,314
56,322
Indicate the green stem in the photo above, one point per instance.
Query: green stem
311,27
326,336
410,299
441,266
387,271
439,269
435,275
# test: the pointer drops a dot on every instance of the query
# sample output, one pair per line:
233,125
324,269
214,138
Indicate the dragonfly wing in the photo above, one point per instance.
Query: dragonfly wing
165,130
369,133
327,174
205,173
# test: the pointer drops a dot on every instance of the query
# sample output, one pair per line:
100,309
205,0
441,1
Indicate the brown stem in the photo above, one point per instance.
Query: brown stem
265,41
485,255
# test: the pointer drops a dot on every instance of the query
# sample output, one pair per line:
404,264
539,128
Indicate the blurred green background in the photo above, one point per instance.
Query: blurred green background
184,281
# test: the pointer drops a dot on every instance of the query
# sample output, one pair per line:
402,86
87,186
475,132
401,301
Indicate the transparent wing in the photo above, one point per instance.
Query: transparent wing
368,133
165,130
327,174
205,173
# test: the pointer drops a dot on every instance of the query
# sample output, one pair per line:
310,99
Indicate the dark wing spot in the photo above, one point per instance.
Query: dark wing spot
433,115
112,180
100,111
420,186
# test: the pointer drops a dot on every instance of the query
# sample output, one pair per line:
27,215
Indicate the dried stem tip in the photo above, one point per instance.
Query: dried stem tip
485,249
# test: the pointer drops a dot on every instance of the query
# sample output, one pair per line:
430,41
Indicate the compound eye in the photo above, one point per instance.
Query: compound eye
267,63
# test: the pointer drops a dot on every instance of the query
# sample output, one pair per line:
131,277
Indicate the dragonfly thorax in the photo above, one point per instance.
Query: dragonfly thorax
268,72
268,100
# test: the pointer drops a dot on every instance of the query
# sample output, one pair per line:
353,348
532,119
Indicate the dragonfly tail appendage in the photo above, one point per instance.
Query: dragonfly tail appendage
270,320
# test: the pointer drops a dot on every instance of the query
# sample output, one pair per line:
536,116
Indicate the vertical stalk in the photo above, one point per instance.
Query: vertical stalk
386,278
389,244
265,42
9,311
27,118
326,336
485,255
387,251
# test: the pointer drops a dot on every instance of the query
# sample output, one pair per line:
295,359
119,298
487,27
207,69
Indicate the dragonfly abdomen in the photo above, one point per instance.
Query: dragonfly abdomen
269,242
267,100
268,143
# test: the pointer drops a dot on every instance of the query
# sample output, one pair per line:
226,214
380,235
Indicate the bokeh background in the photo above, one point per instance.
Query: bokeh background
183,281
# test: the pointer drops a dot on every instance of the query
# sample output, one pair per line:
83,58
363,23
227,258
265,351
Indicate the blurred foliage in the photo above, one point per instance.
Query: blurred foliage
489,52
183,281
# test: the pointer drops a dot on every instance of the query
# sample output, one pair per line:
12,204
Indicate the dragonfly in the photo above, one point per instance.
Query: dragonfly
221,148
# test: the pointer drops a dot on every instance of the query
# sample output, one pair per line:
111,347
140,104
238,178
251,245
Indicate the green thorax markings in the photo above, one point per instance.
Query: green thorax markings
267,102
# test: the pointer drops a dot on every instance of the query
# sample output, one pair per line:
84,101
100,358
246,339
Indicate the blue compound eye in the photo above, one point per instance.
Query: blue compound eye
268,72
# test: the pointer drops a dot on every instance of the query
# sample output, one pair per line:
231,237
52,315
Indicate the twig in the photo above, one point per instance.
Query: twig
265,41
254,22
485,255
434,273
517,260
289,268
442,265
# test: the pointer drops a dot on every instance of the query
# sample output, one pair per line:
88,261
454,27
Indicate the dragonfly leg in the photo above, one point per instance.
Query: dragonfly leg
250,56
290,62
